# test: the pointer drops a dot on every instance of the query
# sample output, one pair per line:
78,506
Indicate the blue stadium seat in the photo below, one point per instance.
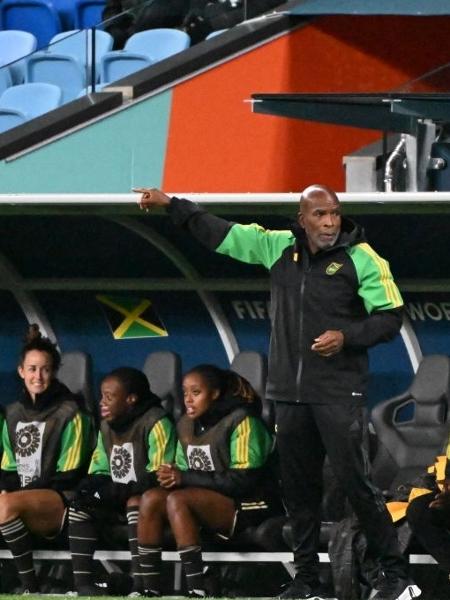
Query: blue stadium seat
5,79
141,50
88,13
14,45
62,70
64,62
39,17
74,43
66,12
10,118
23,102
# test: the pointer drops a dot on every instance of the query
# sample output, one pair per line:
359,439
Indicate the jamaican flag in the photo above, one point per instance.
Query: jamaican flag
131,317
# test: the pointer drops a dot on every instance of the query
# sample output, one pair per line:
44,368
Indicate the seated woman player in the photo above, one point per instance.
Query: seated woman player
136,437
219,480
46,449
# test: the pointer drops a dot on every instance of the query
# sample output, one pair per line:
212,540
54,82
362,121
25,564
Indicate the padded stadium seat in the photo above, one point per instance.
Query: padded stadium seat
13,46
412,428
253,366
141,50
76,372
88,13
21,103
163,370
39,17
64,63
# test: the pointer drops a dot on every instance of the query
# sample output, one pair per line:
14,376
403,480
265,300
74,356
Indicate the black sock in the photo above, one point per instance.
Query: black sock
150,567
191,559
82,542
18,540
132,518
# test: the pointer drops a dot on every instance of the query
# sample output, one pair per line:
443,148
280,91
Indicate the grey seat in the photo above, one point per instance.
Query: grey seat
163,370
412,428
76,373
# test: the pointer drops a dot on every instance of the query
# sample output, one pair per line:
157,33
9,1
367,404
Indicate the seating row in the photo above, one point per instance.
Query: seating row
21,103
411,428
67,61
164,372
45,18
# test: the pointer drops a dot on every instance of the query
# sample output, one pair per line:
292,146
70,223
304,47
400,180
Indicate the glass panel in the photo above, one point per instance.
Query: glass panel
91,53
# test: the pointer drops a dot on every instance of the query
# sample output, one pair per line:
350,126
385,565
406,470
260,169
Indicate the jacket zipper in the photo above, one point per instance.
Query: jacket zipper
306,269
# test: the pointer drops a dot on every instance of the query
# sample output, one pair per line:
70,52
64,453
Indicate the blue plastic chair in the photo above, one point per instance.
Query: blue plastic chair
141,50
79,44
10,118
23,102
5,79
88,13
65,62
39,17
62,70
66,12
13,46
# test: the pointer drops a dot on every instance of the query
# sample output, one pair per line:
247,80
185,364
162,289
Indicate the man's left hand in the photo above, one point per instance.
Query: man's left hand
328,343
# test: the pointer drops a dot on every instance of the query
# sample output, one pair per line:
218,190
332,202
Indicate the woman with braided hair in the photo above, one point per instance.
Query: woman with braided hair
219,481
46,446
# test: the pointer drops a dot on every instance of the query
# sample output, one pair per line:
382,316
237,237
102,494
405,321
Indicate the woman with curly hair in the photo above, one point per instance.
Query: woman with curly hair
219,480
46,446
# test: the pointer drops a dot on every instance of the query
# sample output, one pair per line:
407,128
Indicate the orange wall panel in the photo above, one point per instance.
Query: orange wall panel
216,144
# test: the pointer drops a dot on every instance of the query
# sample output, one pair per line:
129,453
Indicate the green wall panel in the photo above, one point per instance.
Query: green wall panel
114,154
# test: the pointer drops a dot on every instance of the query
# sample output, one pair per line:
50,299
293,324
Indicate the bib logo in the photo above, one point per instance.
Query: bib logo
333,268
120,462
199,458
27,440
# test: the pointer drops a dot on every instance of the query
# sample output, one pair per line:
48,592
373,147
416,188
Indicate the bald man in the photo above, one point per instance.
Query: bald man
332,298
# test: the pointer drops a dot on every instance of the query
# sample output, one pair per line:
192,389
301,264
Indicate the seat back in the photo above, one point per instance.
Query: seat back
61,70
253,367
88,13
79,45
10,118
38,17
33,99
142,50
13,46
5,79
413,427
114,67
163,370
76,373
158,44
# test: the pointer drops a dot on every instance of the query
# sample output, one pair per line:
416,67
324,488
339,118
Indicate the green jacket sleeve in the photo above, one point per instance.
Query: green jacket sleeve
99,462
8,458
381,297
161,444
74,444
180,458
247,243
